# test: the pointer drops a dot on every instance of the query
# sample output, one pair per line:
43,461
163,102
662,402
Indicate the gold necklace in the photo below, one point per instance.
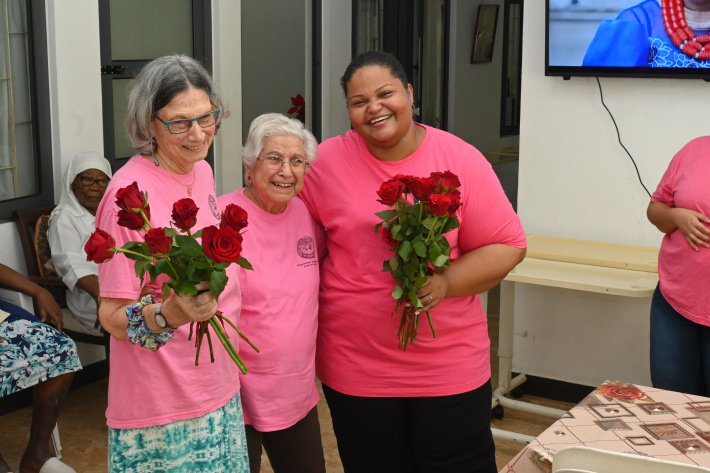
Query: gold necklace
189,186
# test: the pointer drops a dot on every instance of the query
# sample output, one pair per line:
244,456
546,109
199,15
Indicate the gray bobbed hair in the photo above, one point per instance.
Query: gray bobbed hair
275,124
156,85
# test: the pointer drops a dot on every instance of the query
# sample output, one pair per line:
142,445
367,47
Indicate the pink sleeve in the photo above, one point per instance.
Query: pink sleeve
666,188
487,217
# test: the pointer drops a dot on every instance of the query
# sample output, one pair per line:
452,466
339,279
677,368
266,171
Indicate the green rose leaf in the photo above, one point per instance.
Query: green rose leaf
244,263
189,246
420,249
440,261
387,214
218,280
397,292
450,225
404,250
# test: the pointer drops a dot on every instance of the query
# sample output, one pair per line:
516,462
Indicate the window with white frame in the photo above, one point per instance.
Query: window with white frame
22,182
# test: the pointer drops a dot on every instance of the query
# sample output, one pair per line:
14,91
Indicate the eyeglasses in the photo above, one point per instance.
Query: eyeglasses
276,162
177,127
88,182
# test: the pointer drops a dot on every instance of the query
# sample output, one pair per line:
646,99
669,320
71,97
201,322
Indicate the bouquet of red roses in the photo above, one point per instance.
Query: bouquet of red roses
175,251
424,209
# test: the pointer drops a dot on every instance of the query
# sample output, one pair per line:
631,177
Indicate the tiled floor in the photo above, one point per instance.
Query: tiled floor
84,438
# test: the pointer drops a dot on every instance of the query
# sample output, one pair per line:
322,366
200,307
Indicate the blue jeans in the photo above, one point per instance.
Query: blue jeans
680,350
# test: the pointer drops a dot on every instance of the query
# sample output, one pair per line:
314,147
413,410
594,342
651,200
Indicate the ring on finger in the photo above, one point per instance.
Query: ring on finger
196,301
431,298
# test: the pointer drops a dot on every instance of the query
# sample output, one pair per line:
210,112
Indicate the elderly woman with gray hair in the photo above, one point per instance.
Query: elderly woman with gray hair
164,413
280,297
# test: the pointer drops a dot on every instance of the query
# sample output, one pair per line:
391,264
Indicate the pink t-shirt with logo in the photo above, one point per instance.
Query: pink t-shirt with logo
279,312
154,388
685,273
358,352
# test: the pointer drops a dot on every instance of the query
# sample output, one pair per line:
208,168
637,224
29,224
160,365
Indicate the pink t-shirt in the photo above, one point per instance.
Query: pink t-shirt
358,352
154,388
279,312
685,273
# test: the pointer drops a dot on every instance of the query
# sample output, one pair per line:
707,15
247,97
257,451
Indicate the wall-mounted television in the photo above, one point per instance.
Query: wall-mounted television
624,38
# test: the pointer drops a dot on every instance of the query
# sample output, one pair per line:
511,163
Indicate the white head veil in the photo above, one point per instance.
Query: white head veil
80,163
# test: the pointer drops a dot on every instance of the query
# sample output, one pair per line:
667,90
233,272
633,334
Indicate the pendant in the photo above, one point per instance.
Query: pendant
189,191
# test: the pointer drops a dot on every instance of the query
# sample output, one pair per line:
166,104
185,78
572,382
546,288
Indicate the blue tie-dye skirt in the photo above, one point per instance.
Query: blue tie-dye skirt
213,443
31,351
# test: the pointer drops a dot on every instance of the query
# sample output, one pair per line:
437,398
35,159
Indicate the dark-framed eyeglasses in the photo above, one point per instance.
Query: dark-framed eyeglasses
88,182
177,127
276,162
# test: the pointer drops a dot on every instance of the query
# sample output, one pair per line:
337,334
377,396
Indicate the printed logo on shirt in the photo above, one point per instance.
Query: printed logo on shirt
306,247
213,207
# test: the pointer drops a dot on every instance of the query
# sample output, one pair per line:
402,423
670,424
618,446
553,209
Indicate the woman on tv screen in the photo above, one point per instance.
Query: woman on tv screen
666,34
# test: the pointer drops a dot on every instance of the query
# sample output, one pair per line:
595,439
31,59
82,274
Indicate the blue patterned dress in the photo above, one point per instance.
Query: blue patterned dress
637,38
31,351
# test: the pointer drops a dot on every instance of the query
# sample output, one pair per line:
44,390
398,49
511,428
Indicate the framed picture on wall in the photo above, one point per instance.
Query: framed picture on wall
484,34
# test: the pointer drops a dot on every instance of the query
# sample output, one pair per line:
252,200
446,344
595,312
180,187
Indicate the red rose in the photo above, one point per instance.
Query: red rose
132,221
455,198
390,191
130,197
98,245
446,179
406,180
422,188
185,214
158,241
221,244
387,238
234,216
439,204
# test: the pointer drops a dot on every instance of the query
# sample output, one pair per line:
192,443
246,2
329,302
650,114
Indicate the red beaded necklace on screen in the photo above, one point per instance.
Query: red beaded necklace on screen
680,33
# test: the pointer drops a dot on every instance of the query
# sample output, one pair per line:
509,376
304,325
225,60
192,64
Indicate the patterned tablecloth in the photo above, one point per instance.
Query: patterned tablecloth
623,417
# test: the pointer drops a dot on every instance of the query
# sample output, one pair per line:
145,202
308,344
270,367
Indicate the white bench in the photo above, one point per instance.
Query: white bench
605,268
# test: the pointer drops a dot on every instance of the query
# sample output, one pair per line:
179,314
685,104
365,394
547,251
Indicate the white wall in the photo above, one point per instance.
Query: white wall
576,181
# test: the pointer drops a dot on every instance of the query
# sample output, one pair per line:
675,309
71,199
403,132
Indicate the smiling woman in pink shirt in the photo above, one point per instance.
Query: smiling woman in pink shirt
280,297
426,409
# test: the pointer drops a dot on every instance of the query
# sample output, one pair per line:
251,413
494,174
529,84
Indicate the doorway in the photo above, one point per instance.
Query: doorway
130,40
416,33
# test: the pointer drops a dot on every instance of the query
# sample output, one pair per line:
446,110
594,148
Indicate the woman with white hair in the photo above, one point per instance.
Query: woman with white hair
71,224
280,297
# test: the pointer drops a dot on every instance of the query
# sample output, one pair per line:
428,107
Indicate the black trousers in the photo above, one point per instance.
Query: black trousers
296,449
418,435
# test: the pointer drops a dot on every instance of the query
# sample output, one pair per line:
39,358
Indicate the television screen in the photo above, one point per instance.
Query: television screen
627,38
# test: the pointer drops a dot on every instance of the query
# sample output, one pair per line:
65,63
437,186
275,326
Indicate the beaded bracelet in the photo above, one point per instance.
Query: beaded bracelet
138,331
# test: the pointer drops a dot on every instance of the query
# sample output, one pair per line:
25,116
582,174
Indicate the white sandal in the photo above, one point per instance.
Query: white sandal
55,465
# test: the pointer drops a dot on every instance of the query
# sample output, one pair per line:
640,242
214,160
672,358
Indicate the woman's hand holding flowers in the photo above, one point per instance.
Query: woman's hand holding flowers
183,309
196,268
424,209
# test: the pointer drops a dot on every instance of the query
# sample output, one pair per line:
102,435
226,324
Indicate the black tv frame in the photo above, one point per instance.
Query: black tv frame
567,72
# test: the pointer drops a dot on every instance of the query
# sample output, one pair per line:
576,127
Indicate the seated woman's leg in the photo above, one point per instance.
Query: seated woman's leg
48,397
